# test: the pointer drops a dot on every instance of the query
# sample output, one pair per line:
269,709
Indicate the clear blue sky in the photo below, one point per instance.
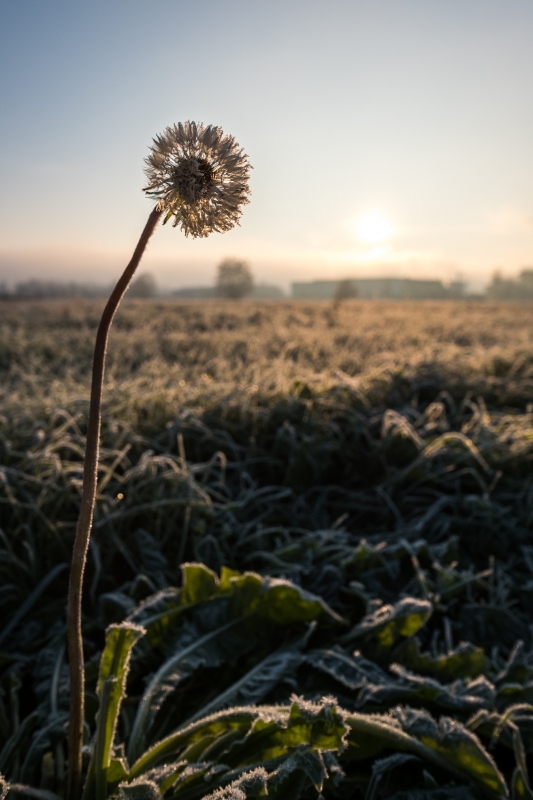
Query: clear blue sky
417,111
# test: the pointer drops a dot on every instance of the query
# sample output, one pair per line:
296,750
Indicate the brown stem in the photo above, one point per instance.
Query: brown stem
83,532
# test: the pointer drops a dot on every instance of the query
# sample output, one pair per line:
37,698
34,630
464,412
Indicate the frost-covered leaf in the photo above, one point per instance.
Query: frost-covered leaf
458,746
141,789
389,624
201,733
190,779
465,661
230,616
259,681
272,599
111,688
222,643
250,785
251,735
513,693
319,725
520,786
303,768
352,671
384,766
460,696
118,770
447,744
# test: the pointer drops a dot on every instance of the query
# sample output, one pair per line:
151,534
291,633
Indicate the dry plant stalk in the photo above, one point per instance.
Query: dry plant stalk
88,497
199,176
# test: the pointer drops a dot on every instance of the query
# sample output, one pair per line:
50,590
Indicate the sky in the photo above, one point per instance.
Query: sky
388,137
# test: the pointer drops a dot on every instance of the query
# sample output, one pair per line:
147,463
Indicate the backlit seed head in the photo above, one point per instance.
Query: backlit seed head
199,176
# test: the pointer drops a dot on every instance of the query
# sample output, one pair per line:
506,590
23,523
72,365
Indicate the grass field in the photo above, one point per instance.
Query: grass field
378,457
220,348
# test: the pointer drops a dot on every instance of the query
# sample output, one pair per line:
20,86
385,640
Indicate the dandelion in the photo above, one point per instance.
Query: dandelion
200,177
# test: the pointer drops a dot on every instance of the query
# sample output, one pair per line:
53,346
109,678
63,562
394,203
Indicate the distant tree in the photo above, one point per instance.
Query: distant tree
234,279
508,289
526,278
345,290
143,286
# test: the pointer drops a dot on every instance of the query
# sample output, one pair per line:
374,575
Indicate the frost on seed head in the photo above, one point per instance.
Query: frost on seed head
199,176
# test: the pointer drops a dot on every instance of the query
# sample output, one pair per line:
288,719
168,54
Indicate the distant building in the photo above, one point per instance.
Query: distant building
267,291
261,291
393,288
195,293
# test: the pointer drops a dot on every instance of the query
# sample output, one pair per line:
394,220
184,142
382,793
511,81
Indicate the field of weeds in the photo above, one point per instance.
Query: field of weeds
350,491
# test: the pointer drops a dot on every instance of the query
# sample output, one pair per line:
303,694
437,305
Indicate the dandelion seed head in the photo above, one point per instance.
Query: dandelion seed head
199,176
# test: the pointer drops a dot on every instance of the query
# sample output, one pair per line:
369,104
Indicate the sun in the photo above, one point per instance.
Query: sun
373,228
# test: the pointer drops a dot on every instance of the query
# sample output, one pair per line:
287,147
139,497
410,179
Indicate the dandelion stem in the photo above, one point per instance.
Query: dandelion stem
83,532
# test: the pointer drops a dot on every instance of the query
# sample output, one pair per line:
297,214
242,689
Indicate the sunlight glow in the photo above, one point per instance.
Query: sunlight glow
373,228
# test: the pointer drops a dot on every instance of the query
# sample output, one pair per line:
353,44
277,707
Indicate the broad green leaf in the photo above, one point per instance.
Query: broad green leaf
114,663
521,790
117,771
203,731
458,746
111,688
141,789
199,583
321,726
210,649
412,689
448,745
520,786
282,603
513,693
391,623
250,785
466,661
372,685
158,614
384,766
352,671
230,616
273,599
303,768
261,733
365,555
253,686
190,777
